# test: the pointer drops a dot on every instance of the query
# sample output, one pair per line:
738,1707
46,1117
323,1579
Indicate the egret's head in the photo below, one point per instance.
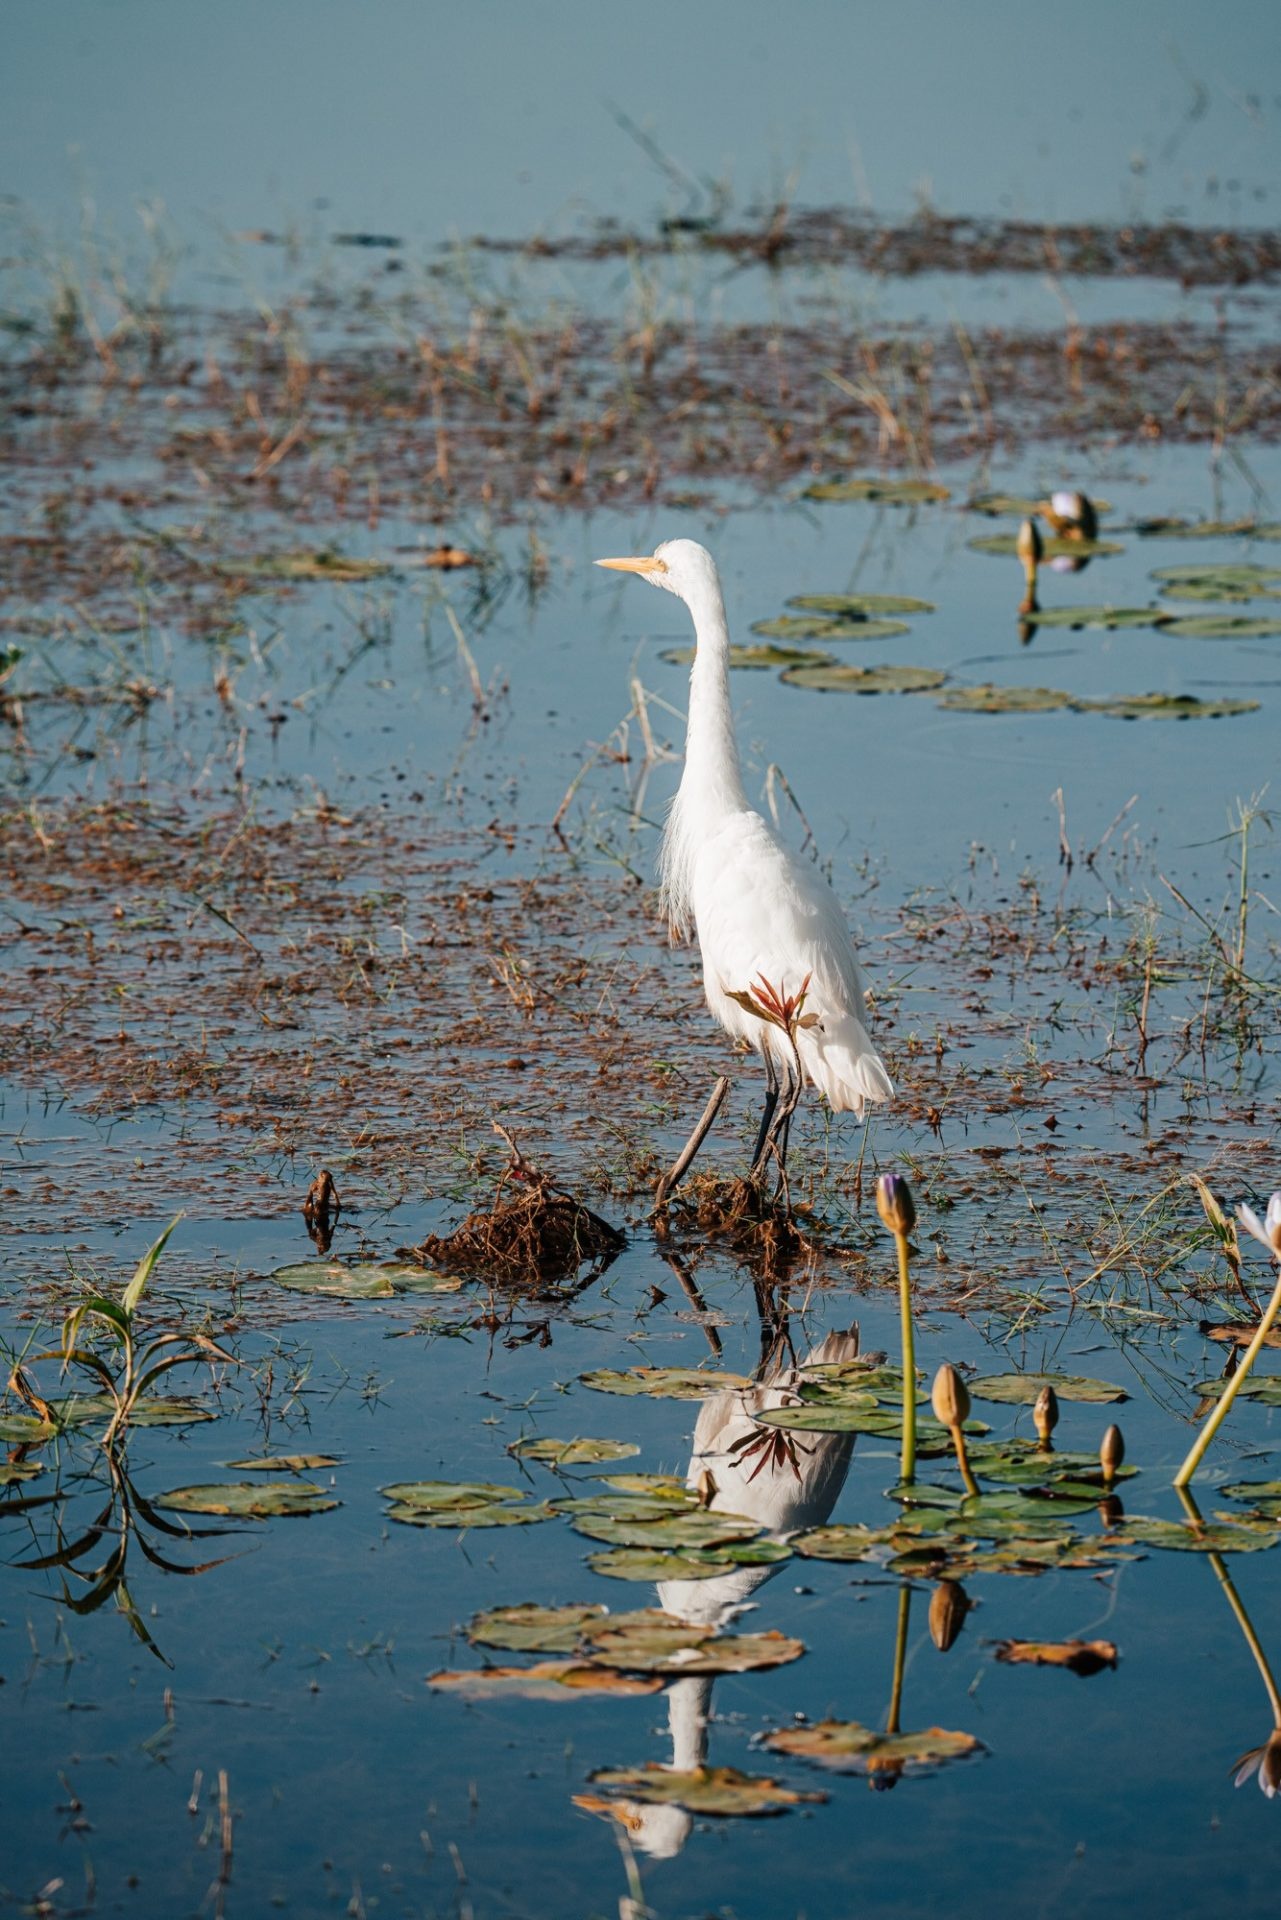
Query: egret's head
682,566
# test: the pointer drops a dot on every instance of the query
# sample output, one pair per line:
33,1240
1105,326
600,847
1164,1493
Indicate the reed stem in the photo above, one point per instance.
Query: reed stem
1215,1420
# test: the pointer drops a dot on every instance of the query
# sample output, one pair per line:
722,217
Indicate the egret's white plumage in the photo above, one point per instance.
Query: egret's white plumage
760,912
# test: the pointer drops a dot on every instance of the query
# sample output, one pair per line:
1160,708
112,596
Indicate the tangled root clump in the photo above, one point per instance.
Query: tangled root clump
533,1232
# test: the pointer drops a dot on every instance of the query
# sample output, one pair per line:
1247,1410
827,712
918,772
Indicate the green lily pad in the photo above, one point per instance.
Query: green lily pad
307,564
547,1680
1223,626
663,1383
527,1628
814,626
1213,589
1023,1463
1001,1515
828,1379
1166,706
1253,1490
285,1463
1022,1389
719,1792
885,679
1109,619
851,1542
931,1437
621,1507
446,1496
1052,548
1168,527
1242,577
860,606
82,1409
889,493
25,1429
1210,1537
247,1500
755,657
14,1471
365,1280
700,1527
844,1746
573,1453
664,1645
991,699
1020,506
526,1514
639,1563
1265,1388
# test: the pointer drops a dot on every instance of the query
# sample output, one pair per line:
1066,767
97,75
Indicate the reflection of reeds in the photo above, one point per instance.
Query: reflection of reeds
1264,1760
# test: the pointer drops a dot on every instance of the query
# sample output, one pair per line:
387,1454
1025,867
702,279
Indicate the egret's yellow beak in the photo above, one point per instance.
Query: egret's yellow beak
649,563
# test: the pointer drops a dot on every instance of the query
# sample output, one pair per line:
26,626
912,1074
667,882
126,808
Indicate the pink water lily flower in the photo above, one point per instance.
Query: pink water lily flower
1267,1230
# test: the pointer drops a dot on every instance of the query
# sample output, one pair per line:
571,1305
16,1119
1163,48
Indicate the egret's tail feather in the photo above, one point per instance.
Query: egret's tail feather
844,1065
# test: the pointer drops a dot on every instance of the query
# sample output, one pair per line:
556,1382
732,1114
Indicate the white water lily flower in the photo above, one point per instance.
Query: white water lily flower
1267,1230
1265,1761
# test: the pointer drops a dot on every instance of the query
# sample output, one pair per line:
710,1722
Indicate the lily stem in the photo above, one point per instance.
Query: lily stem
900,1660
907,1463
1184,1476
963,1462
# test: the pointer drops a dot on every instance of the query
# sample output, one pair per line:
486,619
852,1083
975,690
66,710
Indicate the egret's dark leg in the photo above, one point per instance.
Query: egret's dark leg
790,1097
771,1101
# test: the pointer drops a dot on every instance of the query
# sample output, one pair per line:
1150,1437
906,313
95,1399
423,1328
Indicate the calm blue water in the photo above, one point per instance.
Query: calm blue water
428,121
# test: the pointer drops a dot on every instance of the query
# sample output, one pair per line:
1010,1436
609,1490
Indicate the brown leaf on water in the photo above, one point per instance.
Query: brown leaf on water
545,1680
1235,1335
1078,1656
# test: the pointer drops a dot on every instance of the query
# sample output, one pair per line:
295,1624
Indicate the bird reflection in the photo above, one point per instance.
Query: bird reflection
1070,516
787,1486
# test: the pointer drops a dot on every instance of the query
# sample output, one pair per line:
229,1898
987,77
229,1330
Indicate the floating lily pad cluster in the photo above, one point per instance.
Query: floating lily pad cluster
655,1528
363,1279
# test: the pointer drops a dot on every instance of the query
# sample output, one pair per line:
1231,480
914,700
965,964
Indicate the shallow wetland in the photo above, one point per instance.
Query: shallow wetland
333,781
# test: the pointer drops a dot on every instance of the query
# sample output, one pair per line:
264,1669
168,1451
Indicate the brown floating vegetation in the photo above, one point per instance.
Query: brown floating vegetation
533,1233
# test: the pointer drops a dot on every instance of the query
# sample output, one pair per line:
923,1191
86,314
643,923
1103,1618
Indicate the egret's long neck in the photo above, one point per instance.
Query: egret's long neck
711,785
712,777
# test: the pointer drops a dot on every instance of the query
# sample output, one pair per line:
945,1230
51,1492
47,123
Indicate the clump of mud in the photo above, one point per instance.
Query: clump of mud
737,1214
533,1233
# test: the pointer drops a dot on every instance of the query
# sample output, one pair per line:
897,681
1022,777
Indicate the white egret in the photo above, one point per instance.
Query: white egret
779,967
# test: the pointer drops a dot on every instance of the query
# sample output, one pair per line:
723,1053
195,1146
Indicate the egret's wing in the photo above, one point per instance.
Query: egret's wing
763,911
765,914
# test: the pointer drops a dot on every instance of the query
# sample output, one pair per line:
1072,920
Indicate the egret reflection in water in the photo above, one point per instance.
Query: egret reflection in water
788,1482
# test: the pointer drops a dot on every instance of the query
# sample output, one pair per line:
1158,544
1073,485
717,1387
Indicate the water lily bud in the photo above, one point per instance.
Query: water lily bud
1046,1414
1268,1230
1028,545
705,1487
951,1397
949,1605
894,1203
1111,1452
